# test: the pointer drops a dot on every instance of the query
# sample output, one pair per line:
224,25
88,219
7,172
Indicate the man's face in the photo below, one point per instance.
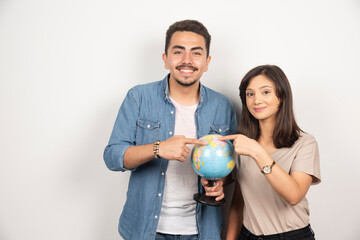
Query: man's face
186,58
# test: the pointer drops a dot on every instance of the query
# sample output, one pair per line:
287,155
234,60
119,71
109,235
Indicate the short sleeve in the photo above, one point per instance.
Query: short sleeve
307,158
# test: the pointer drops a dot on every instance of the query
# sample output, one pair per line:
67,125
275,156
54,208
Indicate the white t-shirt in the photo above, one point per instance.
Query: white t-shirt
178,212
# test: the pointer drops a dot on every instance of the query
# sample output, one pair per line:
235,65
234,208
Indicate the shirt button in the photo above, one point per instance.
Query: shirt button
162,173
220,130
148,126
159,194
170,133
155,216
172,112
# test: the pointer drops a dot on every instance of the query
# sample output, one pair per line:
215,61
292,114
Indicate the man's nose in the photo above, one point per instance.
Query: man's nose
187,58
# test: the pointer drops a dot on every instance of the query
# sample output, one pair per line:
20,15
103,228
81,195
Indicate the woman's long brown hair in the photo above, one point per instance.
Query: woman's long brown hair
286,130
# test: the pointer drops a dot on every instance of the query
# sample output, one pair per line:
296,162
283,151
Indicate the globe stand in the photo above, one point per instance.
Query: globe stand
212,161
208,200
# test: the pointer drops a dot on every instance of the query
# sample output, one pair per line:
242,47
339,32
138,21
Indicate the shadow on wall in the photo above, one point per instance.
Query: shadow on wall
97,193
228,190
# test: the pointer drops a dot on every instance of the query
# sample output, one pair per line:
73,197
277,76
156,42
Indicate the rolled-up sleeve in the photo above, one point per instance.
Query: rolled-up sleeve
123,134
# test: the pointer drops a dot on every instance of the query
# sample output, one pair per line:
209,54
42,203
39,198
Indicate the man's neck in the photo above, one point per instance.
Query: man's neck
184,95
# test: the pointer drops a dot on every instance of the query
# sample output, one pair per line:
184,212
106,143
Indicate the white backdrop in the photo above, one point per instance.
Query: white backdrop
65,67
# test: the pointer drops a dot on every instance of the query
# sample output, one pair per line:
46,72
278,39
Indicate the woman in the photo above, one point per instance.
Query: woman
277,162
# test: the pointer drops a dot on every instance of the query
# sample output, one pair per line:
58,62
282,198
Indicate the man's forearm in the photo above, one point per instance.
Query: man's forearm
137,155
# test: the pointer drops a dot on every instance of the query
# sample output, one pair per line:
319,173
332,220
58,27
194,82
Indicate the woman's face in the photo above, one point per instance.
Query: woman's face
261,99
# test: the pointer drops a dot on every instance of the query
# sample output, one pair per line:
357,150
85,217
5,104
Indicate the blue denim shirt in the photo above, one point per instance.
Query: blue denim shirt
147,115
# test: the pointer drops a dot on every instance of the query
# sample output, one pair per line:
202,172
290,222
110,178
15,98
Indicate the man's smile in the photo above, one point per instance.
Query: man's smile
186,68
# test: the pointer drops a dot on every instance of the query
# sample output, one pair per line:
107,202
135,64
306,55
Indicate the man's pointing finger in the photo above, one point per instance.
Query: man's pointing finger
194,141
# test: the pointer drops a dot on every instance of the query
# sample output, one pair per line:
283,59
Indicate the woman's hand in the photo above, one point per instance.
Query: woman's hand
244,145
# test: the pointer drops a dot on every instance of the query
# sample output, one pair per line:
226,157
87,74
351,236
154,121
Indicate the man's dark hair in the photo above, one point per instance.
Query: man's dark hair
188,26
286,130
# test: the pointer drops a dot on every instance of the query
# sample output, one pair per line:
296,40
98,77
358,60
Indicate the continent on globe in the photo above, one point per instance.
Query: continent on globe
215,159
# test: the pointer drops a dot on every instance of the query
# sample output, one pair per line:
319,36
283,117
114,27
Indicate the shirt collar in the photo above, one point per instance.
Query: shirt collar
165,86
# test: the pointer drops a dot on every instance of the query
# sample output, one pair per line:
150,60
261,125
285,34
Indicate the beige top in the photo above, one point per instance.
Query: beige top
265,211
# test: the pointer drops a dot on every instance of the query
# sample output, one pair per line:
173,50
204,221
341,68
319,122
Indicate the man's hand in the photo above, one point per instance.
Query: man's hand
175,147
216,191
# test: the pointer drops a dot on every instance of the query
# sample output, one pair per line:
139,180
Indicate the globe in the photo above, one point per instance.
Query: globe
215,159
212,161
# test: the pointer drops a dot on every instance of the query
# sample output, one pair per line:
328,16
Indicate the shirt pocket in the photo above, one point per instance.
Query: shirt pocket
147,131
221,129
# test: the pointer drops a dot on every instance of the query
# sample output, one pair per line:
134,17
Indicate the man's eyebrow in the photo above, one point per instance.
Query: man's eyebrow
197,48
178,46
183,48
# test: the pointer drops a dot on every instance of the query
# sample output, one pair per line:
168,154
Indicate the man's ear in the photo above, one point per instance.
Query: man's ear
207,63
164,57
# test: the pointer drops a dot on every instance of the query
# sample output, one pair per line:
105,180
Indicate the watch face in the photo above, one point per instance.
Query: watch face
267,169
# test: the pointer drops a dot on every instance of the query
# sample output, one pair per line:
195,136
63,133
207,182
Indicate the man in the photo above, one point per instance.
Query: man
157,125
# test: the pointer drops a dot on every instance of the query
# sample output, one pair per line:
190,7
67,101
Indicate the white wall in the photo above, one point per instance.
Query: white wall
65,67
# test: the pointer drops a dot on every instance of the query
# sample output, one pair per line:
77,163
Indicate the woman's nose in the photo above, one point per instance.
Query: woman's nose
258,99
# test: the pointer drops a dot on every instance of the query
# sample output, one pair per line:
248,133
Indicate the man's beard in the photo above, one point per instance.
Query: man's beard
188,84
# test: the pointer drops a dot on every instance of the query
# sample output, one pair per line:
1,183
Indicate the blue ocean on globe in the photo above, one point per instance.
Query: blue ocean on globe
214,160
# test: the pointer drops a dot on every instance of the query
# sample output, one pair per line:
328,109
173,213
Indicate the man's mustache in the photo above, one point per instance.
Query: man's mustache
186,66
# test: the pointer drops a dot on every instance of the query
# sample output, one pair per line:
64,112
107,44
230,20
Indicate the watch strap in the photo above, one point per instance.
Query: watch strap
268,166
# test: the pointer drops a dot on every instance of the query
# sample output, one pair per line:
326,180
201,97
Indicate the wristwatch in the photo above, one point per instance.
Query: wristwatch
267,169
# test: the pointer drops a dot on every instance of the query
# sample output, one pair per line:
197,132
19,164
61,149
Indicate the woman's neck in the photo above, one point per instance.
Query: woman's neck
266,136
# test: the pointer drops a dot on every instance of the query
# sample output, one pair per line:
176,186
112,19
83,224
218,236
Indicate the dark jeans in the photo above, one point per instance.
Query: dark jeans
161,236
305,233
